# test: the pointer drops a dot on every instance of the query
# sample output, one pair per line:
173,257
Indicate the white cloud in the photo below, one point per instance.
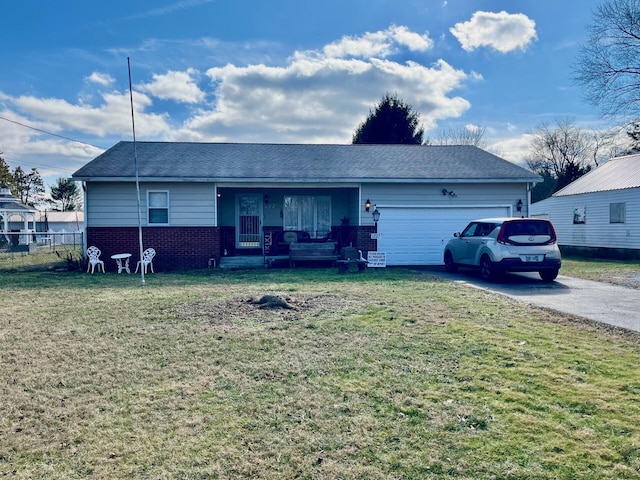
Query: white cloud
502,31
171,8
112,117
178,86
322,95
29,148
315,96
103,79
377,44
512,148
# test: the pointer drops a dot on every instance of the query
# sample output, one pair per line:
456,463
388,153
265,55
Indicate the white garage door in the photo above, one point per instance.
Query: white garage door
417,235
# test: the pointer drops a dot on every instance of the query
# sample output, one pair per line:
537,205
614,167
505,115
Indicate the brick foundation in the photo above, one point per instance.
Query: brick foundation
188,248
177,248
365,242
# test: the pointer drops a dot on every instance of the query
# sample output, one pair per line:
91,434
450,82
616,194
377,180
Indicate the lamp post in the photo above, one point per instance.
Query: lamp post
376,216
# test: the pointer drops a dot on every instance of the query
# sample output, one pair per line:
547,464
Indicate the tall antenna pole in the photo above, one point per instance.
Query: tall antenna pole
135,162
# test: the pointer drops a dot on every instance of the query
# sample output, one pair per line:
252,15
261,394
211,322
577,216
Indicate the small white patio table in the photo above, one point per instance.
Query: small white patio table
119,257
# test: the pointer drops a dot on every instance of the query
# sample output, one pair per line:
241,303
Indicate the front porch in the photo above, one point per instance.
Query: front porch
279,247
260,221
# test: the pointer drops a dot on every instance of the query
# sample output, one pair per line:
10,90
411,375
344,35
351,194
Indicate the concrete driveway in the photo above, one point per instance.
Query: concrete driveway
602,302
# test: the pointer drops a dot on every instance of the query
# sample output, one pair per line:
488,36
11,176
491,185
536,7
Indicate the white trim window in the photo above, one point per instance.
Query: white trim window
307,213
158,207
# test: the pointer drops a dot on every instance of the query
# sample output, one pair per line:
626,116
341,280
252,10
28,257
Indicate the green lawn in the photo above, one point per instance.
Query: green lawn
621,272
283,374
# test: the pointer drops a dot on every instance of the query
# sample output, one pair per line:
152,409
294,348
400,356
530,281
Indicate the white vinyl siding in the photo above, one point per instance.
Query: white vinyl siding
430,195
598,231
114,204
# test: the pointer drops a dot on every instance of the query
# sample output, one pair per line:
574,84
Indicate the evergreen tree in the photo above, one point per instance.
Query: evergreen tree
392,122
29,187
6,178
66,193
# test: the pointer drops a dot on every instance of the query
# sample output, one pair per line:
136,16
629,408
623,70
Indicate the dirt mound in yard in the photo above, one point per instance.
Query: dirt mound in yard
270,308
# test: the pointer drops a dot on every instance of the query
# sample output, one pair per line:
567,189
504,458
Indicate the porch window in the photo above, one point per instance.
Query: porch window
307,213
617,212
158,207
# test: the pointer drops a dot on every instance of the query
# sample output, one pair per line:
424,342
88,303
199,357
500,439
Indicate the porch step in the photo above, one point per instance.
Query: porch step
256,261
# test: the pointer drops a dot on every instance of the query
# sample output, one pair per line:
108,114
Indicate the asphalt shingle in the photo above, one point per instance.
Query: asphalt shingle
300,162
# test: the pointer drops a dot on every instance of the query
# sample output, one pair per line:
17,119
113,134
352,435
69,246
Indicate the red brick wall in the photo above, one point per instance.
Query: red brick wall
182,248
364,239
177,248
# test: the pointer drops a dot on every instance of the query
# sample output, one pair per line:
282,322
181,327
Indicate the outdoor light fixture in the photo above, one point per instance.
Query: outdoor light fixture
367,205
376,215
519,205
266,199
448,192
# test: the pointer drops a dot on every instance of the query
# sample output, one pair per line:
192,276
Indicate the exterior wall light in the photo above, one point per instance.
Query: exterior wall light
519,205
367,205
376,215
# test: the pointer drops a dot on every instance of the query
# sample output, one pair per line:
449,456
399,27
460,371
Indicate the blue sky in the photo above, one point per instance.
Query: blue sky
280,71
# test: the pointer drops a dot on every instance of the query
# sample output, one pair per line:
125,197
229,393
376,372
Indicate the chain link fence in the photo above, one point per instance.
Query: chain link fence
40,251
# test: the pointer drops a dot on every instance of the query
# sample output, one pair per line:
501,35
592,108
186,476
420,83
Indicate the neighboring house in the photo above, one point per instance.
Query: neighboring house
59,222
202,201
60,227
599,213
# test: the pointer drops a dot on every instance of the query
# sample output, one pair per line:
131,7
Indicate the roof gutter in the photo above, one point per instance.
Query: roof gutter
528,180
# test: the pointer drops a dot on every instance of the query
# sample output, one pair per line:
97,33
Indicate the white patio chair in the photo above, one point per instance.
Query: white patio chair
93,259
147,260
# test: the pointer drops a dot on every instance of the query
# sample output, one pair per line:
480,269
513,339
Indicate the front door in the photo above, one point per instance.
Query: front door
248,221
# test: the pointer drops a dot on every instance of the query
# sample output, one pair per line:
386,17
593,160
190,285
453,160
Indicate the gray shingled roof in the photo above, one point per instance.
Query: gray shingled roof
617,174
9,203
250,162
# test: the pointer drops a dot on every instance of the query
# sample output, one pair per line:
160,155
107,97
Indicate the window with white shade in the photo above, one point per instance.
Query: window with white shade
158,207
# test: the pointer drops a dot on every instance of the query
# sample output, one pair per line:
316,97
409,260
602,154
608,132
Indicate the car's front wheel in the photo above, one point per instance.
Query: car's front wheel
487,270
449,265
548,275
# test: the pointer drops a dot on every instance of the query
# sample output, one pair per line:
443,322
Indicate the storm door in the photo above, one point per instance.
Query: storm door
248,221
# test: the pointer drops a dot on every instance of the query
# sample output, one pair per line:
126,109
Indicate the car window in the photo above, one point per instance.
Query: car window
527,228
484,229
470,230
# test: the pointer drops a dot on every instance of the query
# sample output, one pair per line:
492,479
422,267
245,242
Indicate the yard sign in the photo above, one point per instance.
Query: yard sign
377,259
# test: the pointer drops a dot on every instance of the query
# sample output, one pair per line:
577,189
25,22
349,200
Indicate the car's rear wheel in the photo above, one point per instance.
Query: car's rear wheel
449,265
487,270
548,275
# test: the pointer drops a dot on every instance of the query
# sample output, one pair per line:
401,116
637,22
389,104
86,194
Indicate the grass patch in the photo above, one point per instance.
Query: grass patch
620,272
62,257
306,374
